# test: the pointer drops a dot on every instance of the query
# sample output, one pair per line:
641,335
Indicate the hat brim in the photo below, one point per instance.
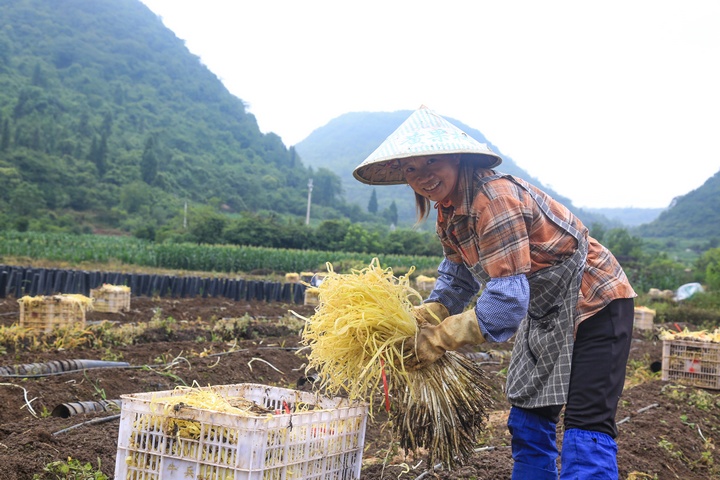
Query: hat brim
388,172
423,133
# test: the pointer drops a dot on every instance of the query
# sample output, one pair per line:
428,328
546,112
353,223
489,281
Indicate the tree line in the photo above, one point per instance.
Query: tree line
268,229
648,265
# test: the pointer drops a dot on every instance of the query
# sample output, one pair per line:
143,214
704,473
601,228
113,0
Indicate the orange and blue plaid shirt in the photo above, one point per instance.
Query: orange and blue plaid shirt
497,231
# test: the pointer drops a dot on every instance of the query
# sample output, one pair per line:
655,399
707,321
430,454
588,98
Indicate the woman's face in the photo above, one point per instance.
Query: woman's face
432,176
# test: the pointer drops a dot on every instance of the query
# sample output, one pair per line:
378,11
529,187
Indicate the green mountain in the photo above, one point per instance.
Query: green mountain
629,217
695,215
108,122
347,140
106,119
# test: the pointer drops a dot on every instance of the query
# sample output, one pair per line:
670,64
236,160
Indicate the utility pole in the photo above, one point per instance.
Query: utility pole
307,216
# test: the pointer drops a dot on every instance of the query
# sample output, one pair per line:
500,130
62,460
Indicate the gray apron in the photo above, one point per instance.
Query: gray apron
539,371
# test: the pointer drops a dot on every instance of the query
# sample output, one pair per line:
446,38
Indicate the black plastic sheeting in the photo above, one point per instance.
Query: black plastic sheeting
67,410
20,281
56,366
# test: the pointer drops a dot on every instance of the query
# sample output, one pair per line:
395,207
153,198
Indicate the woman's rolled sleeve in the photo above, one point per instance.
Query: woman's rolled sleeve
502,306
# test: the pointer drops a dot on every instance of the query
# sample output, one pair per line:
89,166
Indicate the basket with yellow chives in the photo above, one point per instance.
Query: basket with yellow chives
202,398
355,339
686,334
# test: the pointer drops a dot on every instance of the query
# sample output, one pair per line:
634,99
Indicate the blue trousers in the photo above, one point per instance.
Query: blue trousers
600,353
534,445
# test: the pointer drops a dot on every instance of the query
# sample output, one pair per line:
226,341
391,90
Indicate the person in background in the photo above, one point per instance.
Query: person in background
543,278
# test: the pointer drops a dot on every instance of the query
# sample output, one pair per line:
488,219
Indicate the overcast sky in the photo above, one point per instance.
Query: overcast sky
613,103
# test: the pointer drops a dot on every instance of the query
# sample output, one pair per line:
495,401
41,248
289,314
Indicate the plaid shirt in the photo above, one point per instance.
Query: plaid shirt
497,231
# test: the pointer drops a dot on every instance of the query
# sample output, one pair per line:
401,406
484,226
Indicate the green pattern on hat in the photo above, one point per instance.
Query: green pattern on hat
423,133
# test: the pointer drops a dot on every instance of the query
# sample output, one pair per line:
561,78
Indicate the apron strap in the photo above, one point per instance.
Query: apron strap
540,201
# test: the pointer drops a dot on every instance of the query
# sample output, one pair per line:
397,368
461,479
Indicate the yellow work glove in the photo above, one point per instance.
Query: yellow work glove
432,341
431,312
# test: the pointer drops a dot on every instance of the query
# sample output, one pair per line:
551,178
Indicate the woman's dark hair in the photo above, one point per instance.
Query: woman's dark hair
422,207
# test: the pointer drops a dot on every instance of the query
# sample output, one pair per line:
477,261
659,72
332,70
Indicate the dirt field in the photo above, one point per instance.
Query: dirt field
668,431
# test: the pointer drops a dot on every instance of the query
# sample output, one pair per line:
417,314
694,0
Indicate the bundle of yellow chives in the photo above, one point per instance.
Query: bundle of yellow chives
686,334
202,398
361,319
196,397
107,288
443,409
357,333
74,300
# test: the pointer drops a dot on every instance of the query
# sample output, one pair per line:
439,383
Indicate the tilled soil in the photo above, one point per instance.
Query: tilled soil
667,431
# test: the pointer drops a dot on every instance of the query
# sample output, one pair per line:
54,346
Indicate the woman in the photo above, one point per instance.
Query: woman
544,279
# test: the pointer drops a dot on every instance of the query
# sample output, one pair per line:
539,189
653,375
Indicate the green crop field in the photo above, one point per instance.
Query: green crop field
76,249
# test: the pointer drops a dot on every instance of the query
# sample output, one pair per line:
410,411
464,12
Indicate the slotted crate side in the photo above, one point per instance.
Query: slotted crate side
49,313
425,283
311,296
325,443
110,301
692,363
643,319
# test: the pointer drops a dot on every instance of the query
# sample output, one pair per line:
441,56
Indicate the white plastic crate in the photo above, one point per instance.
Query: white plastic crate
425,283
692,362
644,318
111,299
311,296
45,313
325,442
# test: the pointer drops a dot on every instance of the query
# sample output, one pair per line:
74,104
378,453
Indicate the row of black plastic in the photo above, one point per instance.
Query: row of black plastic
20,281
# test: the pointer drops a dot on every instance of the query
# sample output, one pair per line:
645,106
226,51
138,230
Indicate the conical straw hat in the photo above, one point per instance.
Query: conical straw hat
423,133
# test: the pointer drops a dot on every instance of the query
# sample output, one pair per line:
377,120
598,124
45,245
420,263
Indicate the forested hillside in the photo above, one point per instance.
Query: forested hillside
108,121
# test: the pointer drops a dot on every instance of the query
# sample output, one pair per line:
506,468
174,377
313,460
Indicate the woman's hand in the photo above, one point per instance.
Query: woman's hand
432,341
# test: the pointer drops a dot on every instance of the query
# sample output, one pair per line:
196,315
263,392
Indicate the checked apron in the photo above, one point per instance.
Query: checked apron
539,370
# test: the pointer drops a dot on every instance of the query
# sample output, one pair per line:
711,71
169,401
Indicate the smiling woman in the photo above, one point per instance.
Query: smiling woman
544,280
433,177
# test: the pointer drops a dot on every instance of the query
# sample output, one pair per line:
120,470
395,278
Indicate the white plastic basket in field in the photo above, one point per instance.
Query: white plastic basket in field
111,298
45,313
692,362
311,296
425,283
644,318
323,442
